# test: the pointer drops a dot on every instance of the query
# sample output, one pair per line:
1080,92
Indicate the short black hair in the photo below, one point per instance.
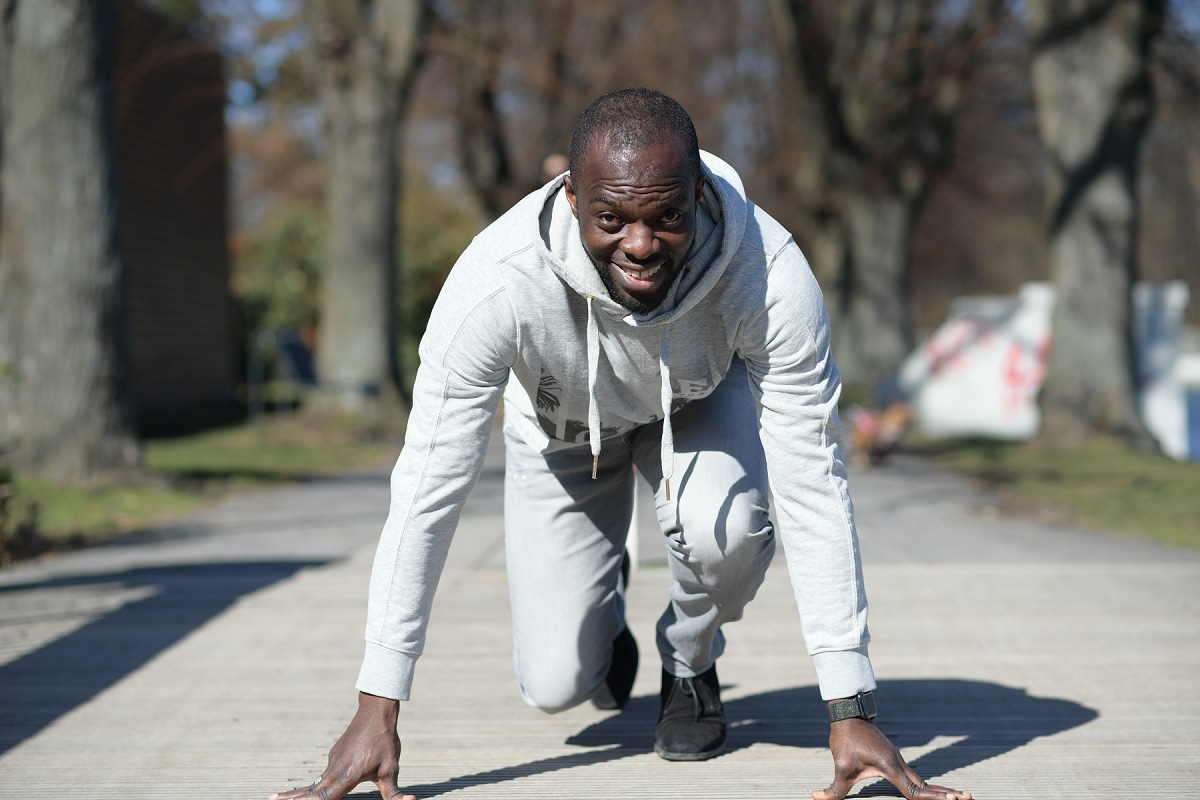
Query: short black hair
634,118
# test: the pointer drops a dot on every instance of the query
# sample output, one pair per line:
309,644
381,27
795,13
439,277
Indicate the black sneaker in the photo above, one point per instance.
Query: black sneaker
618,683
691,725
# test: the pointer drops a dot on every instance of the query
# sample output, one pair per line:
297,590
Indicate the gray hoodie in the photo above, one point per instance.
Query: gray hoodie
524,301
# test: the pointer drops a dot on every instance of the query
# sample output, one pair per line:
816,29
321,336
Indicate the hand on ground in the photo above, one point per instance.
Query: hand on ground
369,750
861,752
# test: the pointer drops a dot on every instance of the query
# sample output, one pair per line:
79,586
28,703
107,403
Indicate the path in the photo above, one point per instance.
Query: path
216,659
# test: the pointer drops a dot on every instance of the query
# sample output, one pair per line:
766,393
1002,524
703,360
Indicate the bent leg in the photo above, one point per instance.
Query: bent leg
718,532
564,538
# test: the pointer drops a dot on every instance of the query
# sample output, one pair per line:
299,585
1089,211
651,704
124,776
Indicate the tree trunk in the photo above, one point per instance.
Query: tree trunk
483,149
1094,98
64,404
873,316
366,55
876,87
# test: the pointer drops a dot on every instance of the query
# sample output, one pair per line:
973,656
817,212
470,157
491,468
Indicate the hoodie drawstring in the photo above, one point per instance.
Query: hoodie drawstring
667,451
667,448
593,362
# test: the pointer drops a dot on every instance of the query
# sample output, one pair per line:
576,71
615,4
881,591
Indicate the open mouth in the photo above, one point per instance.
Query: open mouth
641,274
639,277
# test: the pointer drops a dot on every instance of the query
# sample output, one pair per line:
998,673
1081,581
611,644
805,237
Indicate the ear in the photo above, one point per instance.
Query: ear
701,182
569,188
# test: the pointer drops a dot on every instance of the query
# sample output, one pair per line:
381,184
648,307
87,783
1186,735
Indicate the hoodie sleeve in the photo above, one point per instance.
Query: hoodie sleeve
466,354
787,350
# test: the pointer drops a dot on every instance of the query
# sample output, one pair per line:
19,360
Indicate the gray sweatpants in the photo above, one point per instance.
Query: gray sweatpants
565,535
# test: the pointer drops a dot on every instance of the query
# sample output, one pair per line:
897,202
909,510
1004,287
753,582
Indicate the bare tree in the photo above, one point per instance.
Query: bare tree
367,54
1094,99
521,73
877,86
64,401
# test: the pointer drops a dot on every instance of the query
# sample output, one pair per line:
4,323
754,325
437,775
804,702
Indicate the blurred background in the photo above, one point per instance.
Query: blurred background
223,224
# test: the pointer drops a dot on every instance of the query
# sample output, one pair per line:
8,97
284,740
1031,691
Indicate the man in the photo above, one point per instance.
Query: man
649,315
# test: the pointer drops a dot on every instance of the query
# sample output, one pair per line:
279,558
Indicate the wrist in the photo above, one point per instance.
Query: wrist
385,708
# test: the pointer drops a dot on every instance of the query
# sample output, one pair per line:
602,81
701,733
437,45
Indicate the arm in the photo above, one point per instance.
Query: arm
791,368
466,353
787,351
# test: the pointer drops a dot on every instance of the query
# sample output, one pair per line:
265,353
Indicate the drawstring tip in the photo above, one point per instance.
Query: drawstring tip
595,466
668,488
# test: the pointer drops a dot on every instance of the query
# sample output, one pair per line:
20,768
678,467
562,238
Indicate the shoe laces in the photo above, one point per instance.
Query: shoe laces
688,686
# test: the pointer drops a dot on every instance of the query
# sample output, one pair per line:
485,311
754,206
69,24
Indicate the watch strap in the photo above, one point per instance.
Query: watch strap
861,706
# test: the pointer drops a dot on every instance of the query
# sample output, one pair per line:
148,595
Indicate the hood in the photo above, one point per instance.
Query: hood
720,223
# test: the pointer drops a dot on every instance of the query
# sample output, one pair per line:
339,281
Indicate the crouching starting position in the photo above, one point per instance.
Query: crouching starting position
637,311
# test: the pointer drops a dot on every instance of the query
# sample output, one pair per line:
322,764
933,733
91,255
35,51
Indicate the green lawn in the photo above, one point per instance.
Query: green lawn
183,474
1103,485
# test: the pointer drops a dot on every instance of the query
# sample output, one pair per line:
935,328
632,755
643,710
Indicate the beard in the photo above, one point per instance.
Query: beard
638,305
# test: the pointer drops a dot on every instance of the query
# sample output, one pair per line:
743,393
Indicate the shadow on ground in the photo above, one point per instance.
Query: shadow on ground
985,720
41,686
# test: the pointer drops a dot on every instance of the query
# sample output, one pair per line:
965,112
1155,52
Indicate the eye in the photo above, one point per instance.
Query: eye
607,219
671,217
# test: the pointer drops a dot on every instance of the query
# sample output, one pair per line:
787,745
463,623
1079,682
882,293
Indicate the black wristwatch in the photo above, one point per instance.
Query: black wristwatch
862,706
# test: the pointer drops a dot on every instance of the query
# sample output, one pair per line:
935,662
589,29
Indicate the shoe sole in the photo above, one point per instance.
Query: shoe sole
669,756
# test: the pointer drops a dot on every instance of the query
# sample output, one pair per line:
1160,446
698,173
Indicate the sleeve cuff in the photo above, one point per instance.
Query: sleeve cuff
386,673
844,673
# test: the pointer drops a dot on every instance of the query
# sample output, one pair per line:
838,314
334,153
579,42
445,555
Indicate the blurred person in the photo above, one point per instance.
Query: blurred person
876,434
554,165
637,310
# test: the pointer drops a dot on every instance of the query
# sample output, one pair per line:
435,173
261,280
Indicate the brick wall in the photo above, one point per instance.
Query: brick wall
171,173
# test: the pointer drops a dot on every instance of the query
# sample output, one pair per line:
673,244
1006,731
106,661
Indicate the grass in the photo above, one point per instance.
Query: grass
186,473
1103,485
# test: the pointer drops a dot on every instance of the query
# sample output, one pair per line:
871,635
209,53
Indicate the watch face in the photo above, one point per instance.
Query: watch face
866,704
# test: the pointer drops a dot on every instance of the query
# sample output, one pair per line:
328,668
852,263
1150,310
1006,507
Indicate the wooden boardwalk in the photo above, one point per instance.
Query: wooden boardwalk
216,659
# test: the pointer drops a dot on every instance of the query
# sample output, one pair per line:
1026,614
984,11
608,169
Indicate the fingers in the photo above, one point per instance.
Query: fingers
930,791
321,789
304,793
918,789
836,791
914,788
325,789
388,789
843,782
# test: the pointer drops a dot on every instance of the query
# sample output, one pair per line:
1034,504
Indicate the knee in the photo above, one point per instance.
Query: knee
556,678
555,696
736,537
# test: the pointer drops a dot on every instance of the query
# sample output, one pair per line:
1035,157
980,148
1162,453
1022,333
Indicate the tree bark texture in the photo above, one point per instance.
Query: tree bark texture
1094,98
876,89
876,323
483,148
366,53
64,401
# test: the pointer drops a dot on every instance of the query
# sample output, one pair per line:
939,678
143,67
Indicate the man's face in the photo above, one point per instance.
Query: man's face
637,216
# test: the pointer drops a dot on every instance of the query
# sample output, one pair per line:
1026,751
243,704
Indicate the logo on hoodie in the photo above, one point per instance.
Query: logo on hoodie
549,392
549,400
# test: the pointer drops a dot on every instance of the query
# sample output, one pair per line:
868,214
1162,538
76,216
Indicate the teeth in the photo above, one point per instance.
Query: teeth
643,274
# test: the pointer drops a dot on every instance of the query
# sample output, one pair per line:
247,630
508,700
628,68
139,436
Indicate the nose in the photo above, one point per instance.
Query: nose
640,242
